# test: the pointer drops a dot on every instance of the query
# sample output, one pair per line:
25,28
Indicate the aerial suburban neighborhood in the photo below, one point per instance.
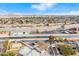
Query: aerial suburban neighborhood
39,35
39,29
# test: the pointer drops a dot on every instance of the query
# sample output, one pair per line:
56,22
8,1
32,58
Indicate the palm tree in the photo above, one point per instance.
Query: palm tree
51,39
53,50
6,45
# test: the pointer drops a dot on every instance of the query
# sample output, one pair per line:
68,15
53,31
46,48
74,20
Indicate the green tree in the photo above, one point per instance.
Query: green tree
37,31
66,40
47,24
51,39
60,40
66,50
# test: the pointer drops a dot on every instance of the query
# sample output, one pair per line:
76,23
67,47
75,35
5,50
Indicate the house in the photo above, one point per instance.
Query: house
18,32
4,33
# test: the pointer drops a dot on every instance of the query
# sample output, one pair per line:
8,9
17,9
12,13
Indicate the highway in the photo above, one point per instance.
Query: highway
40,37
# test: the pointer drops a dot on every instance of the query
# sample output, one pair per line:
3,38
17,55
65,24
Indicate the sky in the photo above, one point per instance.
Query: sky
39,8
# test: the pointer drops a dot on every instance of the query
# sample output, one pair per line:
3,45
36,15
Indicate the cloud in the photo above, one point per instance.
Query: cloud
4,12
74,12
62,13
70,13
66,13
43,6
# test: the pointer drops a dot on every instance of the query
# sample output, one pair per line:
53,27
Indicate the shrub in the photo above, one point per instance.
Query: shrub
8,54
66,50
